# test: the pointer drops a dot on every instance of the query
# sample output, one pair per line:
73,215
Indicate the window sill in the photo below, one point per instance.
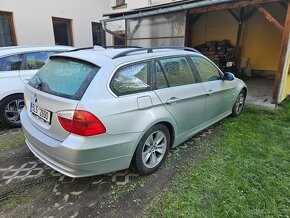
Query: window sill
119,6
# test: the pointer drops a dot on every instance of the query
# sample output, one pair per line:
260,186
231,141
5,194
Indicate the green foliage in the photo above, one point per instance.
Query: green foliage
8,141
248,175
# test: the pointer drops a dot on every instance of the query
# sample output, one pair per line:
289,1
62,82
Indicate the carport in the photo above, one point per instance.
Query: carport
257,29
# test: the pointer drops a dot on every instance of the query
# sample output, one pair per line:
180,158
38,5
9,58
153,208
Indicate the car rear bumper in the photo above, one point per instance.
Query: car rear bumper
80,156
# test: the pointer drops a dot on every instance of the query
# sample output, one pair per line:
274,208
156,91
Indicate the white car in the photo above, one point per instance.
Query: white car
17,65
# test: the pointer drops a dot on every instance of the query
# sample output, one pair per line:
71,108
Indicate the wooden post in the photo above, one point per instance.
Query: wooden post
187,29
191,20
283,55
226,6
240,28
270,18
234,15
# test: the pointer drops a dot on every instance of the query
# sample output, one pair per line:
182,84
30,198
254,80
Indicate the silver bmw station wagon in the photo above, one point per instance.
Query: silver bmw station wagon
95,110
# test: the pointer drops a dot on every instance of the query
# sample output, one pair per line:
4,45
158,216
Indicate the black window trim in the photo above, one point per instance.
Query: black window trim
29,52
196,78
24,55
13,54
194,69
155,74
23,67
150,81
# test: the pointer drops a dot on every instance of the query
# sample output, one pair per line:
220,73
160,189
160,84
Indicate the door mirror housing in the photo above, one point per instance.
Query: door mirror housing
229,76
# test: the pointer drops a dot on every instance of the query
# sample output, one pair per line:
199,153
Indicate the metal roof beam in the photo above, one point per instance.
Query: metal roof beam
184,7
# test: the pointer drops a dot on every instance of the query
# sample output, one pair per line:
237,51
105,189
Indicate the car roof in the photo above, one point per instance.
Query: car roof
101,56
22,49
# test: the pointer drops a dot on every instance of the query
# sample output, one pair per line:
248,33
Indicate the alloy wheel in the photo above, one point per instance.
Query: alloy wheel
154,149
240,103
12,110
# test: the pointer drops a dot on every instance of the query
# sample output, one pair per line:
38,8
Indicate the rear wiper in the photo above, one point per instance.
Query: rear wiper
39,82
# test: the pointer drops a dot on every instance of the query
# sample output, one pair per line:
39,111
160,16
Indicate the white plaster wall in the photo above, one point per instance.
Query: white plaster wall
33,19
131,4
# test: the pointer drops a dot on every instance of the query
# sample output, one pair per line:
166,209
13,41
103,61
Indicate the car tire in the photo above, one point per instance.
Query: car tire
152,150
10,108
239,104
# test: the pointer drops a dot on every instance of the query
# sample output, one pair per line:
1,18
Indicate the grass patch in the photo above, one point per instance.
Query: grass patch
9,141
248,175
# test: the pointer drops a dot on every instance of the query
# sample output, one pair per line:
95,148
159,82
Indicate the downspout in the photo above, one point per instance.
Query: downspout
104,26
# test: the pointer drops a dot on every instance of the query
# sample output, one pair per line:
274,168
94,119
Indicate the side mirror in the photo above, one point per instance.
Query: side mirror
229,76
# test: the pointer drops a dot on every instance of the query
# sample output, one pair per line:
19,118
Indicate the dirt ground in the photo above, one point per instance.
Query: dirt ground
29,188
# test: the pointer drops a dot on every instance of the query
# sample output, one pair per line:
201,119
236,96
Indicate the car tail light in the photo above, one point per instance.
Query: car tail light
81,123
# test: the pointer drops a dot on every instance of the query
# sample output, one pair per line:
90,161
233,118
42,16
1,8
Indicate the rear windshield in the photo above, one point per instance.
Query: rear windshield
63,77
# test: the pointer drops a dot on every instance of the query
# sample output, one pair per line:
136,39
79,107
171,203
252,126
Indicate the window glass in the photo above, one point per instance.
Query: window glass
98,34
10,63
6,29
118,41
207,71
177,71
160,78
64,77
120,2
36,60
130,79
62,31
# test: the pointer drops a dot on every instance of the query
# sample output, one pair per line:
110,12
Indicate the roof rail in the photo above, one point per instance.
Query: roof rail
150,50
121,46
105,47
79,49
125,53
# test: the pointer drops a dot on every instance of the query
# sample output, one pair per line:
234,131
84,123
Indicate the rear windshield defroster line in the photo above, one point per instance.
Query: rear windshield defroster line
64,77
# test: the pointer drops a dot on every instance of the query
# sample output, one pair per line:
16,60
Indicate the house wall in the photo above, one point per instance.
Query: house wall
286,85
260,40
286,89
33,19
133,4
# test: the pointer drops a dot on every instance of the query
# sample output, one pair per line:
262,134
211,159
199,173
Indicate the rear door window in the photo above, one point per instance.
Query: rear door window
10,63
207,71
172,72
36,60
63,77
131,79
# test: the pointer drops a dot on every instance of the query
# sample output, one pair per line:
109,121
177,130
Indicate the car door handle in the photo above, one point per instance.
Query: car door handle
209,92
172,100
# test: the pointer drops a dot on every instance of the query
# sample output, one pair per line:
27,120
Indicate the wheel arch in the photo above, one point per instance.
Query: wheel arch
245,89
169,125
135,161
171,129
7,96
3,104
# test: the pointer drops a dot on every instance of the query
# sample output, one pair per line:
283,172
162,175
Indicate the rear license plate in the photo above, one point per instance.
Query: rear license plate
41,113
